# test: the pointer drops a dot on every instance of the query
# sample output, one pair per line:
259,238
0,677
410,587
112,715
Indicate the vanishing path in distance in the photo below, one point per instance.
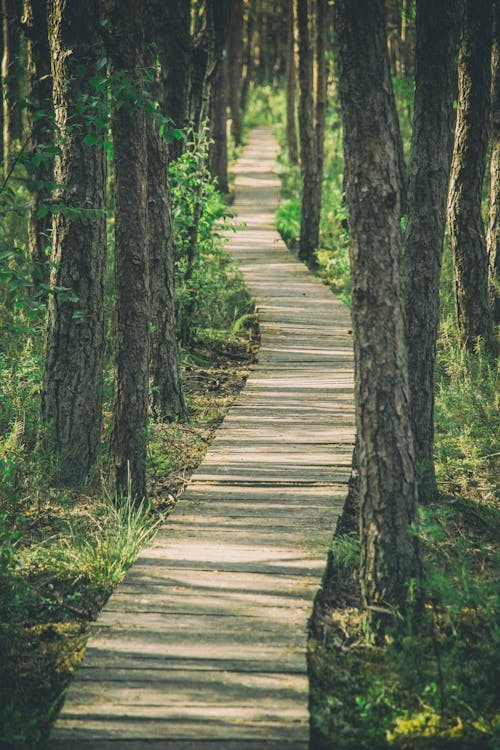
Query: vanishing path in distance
202,647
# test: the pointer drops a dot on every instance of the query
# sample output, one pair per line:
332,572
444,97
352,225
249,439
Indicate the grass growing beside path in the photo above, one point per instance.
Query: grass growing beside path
437,686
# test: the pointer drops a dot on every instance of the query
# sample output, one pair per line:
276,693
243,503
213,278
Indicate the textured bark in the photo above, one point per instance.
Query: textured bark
467,234
197,69
72,386
388,495
128,444
429,171
167,397
493,239
12,114
173,42
291,86
39,117
321,85
310,206
235,69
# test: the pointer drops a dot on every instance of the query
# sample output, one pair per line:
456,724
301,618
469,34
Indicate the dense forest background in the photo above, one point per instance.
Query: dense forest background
126,331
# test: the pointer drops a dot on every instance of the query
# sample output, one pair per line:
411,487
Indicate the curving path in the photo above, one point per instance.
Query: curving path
202,647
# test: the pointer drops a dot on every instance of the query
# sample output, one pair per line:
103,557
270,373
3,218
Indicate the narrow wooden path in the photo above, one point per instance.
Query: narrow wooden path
203,645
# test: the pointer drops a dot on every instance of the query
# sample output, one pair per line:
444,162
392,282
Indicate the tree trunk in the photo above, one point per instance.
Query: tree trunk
429,172
467,235
128,444
214,104
174,49
39,115
235,68
493,242
73,377
248,55
11,71
167,396
291,85
217,154
321,88
388,496
310,206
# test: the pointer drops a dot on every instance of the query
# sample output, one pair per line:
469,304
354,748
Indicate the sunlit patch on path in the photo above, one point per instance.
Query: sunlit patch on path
203,645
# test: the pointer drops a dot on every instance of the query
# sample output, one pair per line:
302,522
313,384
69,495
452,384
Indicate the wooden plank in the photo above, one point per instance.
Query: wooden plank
203,644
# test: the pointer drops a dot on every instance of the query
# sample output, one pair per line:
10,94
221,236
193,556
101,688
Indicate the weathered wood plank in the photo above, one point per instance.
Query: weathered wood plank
203,645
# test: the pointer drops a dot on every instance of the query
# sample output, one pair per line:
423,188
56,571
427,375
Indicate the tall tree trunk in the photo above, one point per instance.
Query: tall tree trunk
214,102
128,444
39,115
167,396
493,238
321,88
467,235
174,48
248,56
11,69
310,207
429,172
388,495
235,68
217,154
73,377
291,85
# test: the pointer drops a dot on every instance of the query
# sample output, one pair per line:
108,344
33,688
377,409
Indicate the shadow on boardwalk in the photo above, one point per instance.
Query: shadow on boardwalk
203,644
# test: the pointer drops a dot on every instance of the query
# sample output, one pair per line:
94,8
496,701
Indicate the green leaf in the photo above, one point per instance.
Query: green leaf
90,139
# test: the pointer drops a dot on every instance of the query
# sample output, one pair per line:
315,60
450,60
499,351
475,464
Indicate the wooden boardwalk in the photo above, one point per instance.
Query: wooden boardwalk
203,645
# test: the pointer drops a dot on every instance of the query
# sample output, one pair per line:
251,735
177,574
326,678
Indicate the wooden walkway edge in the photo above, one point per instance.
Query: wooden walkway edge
203,644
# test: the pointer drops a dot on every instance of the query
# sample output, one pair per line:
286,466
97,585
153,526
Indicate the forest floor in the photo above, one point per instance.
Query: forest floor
52,605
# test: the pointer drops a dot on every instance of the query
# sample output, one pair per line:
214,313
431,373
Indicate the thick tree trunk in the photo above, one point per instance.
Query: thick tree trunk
11,70
128,445
429,172
173,42
291,85
388,496
235,68
310,201
493,239
167,397
321,86
72,386
465,221
39,115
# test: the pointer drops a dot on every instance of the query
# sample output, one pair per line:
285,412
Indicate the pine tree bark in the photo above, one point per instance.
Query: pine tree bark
73,376
310,202
291,86
12,113
429,171
39,118
167,397
128,443
388,495
173,42
493,238
467,233
235,68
